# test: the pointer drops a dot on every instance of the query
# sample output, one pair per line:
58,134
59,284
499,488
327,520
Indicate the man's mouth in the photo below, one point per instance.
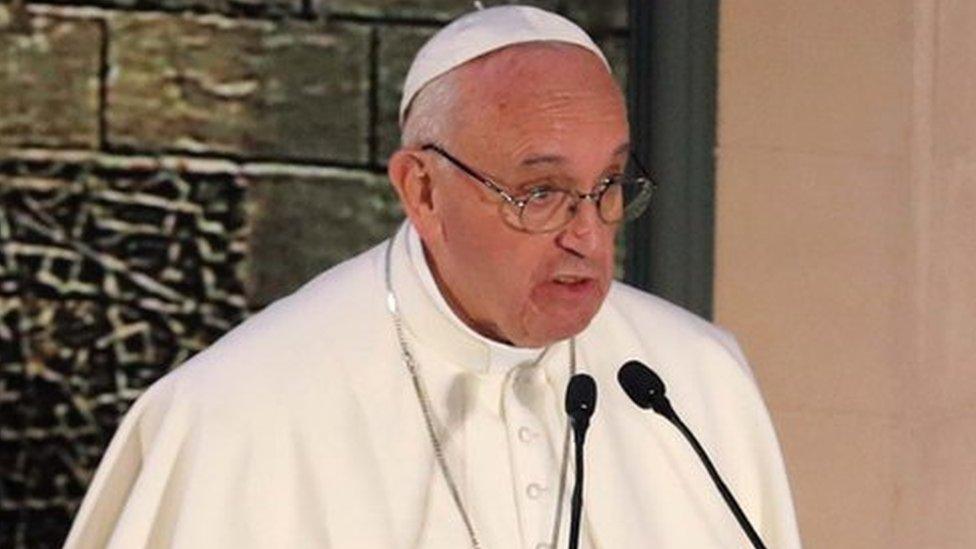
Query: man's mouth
570,280
577,285
568,290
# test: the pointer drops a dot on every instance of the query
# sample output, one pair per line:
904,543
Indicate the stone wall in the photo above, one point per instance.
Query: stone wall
168,167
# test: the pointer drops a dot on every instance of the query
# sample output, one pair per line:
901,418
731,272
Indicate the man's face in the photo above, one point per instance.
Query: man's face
530,115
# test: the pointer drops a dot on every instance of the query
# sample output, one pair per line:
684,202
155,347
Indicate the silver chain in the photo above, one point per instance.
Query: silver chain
429,420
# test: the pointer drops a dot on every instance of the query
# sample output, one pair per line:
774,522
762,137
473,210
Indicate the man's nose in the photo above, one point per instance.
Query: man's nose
582,235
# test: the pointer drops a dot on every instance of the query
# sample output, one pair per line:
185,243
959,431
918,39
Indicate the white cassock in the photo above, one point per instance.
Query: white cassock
301,428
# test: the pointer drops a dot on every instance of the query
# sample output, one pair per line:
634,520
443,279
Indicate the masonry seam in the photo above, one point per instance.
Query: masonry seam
372,99
103,75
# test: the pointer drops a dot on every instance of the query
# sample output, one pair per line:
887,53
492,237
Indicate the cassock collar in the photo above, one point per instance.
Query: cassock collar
430,319
502,357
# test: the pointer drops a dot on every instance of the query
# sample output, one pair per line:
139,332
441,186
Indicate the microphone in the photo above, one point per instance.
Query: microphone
580,404
647,390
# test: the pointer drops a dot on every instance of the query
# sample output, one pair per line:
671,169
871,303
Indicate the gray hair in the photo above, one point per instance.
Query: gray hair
431,112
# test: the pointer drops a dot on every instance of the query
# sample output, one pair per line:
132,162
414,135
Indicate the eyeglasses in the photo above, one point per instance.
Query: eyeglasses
549,207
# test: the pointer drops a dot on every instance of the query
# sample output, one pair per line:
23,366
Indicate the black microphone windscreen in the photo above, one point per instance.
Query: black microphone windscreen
640,383
646,389
581,396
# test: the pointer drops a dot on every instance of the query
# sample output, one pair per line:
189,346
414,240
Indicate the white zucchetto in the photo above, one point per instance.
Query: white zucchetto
485,30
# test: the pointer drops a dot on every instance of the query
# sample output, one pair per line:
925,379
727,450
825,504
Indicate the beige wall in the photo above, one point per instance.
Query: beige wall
845,255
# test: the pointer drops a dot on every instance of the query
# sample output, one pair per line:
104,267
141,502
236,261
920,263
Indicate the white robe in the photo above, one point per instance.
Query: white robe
301,428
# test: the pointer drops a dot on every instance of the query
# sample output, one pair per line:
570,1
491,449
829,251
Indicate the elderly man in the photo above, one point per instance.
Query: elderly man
411,397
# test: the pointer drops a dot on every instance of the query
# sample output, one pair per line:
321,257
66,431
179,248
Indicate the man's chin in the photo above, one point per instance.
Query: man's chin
555,327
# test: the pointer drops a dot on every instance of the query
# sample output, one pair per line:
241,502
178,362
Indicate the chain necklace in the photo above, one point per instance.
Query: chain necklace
429,420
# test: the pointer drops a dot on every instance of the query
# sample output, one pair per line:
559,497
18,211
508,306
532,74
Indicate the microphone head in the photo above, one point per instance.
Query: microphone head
581,397
642,385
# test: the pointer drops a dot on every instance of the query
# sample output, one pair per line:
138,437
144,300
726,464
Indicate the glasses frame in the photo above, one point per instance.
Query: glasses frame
644,180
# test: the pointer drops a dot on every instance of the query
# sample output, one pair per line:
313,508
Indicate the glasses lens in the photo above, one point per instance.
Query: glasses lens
545,210
638,195
612,201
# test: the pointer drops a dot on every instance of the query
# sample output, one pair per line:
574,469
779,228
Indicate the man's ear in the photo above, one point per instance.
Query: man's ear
408,171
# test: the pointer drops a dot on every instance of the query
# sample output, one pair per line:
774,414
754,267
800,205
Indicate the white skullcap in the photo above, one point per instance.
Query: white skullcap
485,30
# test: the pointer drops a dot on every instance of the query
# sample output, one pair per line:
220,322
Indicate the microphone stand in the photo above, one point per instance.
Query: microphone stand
580,404
647,390
577,501
733,505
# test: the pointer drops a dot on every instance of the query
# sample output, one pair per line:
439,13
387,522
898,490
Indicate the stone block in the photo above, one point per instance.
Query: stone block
244,8
598,17
616,50
49,83
304,223
263,8
397,46
253,89
439,10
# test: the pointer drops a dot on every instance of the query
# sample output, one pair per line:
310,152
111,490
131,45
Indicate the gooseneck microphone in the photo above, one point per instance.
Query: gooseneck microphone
580,404
647,390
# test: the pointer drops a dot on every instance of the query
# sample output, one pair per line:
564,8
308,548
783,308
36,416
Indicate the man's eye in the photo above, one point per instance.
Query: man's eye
543,195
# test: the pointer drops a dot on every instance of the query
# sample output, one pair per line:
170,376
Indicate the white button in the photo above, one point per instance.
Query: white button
534,491
525,434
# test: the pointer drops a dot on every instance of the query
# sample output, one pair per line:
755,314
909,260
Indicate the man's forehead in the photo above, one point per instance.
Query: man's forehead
532,160
550,56
527,86
533,79
528,104
484,31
